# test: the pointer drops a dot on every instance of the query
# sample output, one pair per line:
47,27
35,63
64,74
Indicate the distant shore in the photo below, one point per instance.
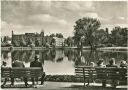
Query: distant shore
44,48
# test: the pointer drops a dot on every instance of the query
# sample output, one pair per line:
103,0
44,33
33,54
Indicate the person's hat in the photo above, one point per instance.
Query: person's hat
37,57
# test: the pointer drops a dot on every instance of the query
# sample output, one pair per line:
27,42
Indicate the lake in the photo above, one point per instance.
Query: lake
62,61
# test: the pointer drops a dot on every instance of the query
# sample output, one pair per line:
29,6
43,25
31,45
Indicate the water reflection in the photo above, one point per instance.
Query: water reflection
62,61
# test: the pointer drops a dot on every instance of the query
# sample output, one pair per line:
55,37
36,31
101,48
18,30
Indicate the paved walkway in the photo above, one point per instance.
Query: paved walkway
68,86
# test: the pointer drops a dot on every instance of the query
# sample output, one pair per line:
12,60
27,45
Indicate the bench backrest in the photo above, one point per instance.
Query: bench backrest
86,72
102,73
107,73
17,72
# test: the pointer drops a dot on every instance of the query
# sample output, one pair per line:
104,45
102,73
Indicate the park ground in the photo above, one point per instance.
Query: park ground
67,86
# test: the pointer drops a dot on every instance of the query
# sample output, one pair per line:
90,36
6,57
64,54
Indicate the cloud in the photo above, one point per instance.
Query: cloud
122,18
7,28
47,18
89,14
79,6
58,16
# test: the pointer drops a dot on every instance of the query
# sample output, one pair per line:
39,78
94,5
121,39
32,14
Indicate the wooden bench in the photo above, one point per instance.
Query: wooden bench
87,73
102,74
16,72
116,75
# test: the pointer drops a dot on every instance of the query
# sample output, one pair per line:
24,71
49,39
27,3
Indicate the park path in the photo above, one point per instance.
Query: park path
67,86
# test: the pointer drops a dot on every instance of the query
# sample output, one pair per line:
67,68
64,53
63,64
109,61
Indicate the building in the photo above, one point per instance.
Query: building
27,39
5,41
59,41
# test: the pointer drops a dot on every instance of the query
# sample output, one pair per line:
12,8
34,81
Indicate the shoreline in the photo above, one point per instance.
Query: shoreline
44,48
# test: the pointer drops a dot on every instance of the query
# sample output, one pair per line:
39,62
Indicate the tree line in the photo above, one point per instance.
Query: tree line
87,32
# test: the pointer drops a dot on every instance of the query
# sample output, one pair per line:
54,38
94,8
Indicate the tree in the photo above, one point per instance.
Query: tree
53,41
69,41
86,28
37,43
101,37
23,42
59,35
5,39
119,36
52,35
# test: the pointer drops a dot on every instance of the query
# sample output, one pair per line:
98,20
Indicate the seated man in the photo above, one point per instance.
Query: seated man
37,63
4,65
18,63
113,65
100,63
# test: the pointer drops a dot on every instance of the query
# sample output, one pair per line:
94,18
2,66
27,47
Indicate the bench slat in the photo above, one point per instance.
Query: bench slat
17,72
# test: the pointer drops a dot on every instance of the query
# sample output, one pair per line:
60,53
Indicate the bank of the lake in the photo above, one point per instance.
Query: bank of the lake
44,48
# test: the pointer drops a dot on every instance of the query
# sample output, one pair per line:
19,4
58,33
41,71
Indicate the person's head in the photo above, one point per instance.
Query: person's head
36,58
15,60
4,63
123,62
100,62
112,61
92,64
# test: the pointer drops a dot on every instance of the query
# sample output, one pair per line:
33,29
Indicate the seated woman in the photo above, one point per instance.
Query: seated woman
100,64
92,64
112,63
123,64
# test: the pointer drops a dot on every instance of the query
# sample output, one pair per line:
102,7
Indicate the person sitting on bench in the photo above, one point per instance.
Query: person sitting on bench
4,65
112,63
37,63
18,63
100,63
123,64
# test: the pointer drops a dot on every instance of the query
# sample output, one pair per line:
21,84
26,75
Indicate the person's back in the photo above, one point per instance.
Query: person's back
112,63
37,63
17,64
4,65
109,65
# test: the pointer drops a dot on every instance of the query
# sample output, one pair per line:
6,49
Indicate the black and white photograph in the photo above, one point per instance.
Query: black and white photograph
64,45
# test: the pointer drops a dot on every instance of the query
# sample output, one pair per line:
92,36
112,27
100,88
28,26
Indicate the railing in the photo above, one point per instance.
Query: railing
22,48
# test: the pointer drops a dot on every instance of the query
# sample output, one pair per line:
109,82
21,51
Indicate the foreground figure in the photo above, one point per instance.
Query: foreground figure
18,63
37,63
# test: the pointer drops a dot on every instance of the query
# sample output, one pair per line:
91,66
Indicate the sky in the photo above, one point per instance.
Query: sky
59,16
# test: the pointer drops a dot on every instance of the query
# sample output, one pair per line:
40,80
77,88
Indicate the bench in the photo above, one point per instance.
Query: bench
87,73
103,74
17,72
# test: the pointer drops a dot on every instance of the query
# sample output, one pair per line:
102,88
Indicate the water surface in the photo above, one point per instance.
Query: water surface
62,61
